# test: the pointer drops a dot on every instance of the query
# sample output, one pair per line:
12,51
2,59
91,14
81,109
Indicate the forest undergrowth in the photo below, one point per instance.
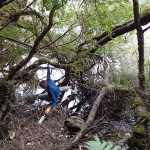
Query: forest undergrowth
32,136
113,123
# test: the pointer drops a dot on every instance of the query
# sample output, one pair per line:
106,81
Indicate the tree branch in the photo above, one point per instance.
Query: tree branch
34,48
16,16
16,41
90,118
5,2
117,31
31,70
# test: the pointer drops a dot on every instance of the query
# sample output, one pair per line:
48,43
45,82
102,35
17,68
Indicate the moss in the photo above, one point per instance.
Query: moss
138,101
137,144
122,132
44,60
7,97
139,130
140,139
142,112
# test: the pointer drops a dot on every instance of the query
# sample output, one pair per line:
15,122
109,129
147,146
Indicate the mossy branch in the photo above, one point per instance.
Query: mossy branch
30,71
34,49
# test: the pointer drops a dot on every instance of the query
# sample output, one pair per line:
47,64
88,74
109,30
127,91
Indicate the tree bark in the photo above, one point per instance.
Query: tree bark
140,38
5,2
7,97
118,30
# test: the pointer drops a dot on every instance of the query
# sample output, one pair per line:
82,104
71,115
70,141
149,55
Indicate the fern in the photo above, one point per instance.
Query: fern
96,144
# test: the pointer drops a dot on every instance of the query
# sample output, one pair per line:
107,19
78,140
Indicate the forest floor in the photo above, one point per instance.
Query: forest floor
114,127
51,134
31,136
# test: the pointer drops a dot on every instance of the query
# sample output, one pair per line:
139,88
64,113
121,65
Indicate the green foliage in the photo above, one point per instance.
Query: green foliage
85,19
125,80
99,16
96,144
57,3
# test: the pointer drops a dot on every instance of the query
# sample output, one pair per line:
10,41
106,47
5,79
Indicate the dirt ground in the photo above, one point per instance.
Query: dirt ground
30,136
52,135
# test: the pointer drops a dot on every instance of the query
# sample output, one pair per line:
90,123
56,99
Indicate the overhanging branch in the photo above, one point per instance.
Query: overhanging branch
118,30
34,48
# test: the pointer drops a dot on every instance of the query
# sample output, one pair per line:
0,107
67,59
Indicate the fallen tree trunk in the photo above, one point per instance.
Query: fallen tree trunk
90,118
118,30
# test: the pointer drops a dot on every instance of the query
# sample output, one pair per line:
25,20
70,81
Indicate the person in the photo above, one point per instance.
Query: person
52,91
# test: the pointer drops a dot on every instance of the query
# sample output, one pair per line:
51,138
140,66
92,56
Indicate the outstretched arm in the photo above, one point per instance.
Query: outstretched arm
48,73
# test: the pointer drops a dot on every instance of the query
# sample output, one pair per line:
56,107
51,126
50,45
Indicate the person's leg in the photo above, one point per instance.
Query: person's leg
44,96
42,100
37,102
64,88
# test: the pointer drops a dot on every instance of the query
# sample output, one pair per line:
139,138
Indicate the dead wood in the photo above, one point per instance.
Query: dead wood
90,118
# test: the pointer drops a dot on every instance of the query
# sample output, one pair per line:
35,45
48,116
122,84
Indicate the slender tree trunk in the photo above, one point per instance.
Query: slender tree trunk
140,38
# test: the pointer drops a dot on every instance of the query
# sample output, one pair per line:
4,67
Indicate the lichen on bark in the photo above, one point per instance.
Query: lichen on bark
7,97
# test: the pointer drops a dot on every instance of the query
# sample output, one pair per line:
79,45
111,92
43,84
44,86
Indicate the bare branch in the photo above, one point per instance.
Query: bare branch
146,29
59,37
16,41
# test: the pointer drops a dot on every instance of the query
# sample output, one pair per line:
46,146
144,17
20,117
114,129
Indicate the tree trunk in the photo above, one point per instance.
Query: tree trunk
140,38
7,97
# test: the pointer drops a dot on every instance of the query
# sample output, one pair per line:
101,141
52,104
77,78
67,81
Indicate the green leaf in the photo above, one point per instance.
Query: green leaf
104,144
118,147
109,147
96,144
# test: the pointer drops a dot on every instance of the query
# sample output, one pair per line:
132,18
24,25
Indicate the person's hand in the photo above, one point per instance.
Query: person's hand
48,109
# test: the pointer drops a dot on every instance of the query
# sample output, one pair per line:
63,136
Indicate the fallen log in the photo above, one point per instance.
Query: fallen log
90,118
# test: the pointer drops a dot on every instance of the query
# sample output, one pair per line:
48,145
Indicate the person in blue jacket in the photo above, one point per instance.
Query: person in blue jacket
53,91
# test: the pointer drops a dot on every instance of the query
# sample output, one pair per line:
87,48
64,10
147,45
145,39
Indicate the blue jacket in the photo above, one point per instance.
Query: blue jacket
52,89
